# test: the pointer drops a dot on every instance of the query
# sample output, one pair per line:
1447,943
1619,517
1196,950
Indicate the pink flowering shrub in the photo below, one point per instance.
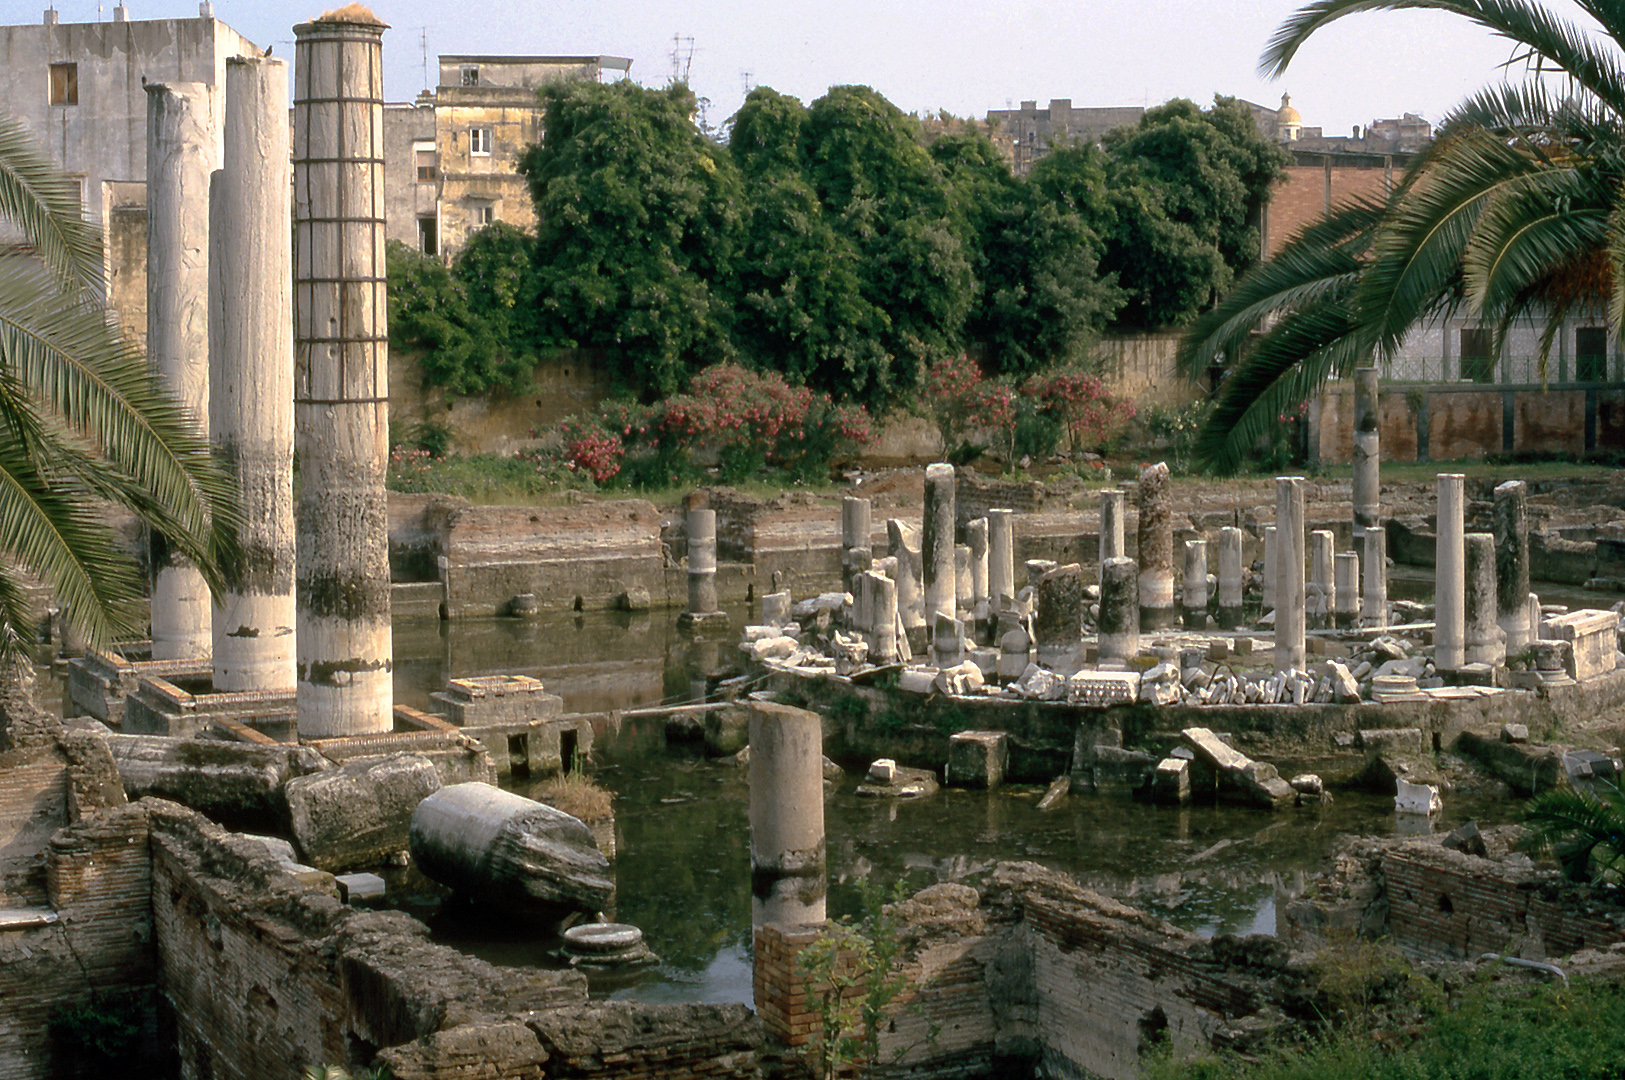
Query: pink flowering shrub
1027,418
1080,403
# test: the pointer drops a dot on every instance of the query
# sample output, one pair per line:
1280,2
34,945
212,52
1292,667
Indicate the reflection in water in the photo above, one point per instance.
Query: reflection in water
682,831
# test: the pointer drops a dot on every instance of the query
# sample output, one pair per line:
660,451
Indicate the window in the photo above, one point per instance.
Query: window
470,75
483,214
64,84
479,141
423,153
1591,354
1477,358
429,235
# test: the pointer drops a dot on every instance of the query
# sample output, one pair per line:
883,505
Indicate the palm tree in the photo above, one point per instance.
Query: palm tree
1584,829
1515,210
82,425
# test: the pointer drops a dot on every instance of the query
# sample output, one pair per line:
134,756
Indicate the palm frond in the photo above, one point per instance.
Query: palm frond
1584,829
1549,42
45,206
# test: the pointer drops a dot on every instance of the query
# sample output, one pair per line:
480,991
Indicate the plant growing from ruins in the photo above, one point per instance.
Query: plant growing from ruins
99,1033
82,424
855,977
1585,830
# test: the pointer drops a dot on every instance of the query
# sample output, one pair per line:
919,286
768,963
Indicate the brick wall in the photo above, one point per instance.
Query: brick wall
1444,906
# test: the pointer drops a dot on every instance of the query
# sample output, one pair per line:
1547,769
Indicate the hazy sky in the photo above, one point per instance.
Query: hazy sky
924,56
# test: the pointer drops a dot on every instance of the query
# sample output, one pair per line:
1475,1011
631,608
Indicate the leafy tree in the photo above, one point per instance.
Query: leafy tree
1040,295
798,300
883,192
1515,210
639,219
468,346
81,423
1187,188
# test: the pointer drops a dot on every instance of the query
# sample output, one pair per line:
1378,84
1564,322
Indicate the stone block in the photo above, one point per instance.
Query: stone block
1592,637
882,770
977,759
1102,688
1171,783
1514,733
361,813
1417,799
905,783
727,731
1405,742
497,699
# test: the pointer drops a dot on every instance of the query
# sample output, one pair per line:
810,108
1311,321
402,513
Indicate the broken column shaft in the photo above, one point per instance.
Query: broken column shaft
976,541
937,543
786,816
1449,633
882,606
1230,578
341,379
1512,564
1374,603
1322,584
1156,549
180,158
1483,642
903,545
1058,619
701,524
855,534
1367,456
1267,592
1289,594
1346,582
1119,620
1193,606
251,378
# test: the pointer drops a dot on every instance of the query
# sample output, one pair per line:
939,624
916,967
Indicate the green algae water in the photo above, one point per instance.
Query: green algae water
682,866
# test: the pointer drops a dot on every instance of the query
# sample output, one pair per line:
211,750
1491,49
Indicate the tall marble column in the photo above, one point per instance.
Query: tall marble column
1267,595
1449,630
1156,549
1289,591
701,525
181,151
937,543
1512,564
1001,560
1058,619
341,377
1113,508
1367,456
251,413
903,545
976,541
1483,640
1346,598
1230,578
855,535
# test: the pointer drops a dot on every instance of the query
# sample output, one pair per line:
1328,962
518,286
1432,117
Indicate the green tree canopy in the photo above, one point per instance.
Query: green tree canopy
1187,186
638,223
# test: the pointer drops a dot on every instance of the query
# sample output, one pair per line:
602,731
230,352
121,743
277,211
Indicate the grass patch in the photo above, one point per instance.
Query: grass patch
576,794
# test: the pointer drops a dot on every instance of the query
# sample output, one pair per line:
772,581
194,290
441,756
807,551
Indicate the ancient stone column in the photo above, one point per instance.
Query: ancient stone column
181,149
341,377
1156,549
1449,631
1001,561
1374,604
1322,585
1119,620
1193,607
1483,641
251,377
903,544
1512,564
1346,582
1289,593
964,590
855,533
786,816
701,525
1267,595
882,592
976,541
1230,578
1058,619
937,542
1367,457
1113,503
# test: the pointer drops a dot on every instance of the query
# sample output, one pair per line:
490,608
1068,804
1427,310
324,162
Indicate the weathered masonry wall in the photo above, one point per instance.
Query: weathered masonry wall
1446,423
